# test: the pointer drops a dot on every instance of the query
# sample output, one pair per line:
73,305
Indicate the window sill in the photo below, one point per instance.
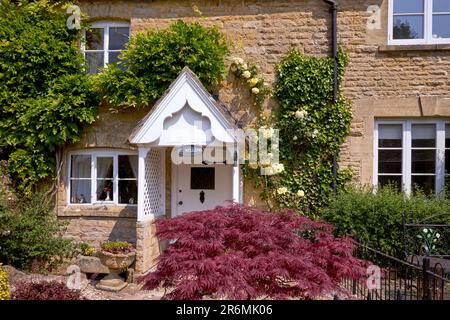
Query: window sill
414,47
96,210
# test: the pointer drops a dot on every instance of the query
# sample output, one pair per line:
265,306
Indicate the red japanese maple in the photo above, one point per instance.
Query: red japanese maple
241,253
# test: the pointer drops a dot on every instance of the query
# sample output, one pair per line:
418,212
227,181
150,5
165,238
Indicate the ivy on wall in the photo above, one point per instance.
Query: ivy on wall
154,59
45,96
312,129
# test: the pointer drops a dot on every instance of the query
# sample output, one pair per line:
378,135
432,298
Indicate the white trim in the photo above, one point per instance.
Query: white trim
185,91
174,191
236,180
428,27
141,183
407,152
163,181
94,154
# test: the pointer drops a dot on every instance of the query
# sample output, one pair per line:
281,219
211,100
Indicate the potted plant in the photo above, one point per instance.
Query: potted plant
117,256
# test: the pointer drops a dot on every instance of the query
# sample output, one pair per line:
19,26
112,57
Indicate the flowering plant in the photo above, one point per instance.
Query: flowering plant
429,237
249,73
243,253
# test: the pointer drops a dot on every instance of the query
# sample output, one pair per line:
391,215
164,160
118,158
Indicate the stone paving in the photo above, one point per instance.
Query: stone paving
131,292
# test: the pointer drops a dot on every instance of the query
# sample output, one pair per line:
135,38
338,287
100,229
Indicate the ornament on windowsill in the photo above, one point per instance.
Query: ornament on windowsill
82,199
108,193
131,201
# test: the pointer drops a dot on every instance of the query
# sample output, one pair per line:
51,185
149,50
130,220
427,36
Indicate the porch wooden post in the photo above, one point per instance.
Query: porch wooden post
236,179
141,182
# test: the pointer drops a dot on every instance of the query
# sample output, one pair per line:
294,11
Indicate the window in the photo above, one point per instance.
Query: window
103,177
103,43
412,154
203,178
419,21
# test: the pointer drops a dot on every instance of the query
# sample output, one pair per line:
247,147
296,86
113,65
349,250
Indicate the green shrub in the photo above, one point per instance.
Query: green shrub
117,247
45,96
377,218
4,285
30,231
153,60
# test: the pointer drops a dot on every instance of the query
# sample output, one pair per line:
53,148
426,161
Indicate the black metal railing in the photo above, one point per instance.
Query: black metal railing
415,278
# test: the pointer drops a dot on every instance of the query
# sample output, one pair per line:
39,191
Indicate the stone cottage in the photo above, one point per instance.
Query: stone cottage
120,177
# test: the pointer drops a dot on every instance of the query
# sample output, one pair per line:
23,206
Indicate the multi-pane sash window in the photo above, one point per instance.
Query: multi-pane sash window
103,177
390,151
103,44
419,21
412,154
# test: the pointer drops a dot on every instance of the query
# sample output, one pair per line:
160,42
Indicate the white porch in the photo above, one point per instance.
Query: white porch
189,123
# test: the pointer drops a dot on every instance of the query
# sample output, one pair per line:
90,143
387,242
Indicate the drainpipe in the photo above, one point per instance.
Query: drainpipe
333,9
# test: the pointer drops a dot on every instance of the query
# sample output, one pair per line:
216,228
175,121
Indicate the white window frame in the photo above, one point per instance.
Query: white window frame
428,27
94,155
407,152
105,25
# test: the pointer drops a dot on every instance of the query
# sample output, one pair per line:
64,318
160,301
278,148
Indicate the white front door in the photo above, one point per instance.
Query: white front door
201,187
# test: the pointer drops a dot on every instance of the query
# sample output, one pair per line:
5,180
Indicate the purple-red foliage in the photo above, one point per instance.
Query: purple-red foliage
44,291
241,253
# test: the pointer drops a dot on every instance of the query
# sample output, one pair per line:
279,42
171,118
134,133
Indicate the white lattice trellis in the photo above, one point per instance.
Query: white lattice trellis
153,184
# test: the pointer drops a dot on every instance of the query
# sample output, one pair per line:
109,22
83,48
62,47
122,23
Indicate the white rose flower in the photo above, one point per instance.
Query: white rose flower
315,133
244,66
238,61
295,138
425,230
300,193
282,190
246,74
255,90
277,168
301,114
253,82
253,165
438,235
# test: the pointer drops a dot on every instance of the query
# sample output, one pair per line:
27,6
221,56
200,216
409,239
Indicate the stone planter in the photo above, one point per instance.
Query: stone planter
116,263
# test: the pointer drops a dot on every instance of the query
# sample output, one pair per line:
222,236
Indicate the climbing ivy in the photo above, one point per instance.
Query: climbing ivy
312,129
45,96
154,59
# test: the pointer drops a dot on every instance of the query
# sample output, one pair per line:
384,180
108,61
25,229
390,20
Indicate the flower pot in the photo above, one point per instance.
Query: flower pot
117,263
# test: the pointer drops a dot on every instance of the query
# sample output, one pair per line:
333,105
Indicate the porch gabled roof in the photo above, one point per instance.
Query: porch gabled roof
185,92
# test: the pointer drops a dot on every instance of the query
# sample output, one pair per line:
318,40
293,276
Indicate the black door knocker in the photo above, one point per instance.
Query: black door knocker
202,196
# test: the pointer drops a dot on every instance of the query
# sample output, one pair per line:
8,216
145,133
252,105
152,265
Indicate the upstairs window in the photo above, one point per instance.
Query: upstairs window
103,43
419,21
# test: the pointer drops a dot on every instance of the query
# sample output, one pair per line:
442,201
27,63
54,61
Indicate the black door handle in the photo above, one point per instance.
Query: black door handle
180,203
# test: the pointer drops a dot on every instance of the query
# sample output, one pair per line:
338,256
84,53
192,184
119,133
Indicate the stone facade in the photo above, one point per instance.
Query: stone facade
148,247
383,81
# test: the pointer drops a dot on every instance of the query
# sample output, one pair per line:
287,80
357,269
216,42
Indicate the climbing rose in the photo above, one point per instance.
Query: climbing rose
241,253
253,165
253,82
282,190
238,61
246,74
300,193
301,114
